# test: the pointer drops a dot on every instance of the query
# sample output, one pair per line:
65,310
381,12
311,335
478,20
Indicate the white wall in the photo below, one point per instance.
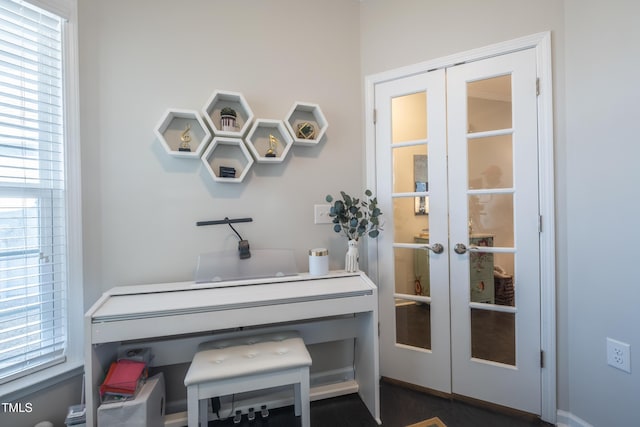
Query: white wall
405,32
602,110
139,58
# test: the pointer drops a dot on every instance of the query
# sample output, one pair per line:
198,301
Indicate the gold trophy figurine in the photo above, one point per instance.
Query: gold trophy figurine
273,144
185,139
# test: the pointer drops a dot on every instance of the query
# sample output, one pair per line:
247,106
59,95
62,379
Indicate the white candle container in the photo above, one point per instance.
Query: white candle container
318,261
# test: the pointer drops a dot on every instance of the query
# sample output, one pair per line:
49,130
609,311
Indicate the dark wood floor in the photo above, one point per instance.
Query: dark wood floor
400,407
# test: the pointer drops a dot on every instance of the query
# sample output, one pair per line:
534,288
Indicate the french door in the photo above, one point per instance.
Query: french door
458,261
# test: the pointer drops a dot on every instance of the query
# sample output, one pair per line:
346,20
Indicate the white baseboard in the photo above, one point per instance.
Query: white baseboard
567,419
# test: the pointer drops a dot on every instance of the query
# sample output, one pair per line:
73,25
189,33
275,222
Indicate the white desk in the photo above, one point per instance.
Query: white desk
174,318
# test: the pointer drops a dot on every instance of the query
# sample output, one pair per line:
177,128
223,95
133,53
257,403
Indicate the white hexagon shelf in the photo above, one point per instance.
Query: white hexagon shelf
269,141
306,123
227,160
226,124
183,133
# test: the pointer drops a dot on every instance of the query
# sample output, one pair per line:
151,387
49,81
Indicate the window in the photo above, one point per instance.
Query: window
35,192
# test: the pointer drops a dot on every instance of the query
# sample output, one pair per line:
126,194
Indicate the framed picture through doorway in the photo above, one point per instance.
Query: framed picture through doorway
420,178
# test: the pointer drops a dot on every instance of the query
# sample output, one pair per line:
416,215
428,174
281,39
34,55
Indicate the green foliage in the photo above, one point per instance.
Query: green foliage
355,217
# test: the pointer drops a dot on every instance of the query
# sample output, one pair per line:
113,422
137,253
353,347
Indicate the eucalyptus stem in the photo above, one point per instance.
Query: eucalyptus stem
355,217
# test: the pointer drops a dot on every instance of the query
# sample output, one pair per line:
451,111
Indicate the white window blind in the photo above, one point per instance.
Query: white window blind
33,264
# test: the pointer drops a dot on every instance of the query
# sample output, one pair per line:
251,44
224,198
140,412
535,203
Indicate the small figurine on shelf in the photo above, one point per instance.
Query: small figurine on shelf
306,131
273,144
228,119
185,139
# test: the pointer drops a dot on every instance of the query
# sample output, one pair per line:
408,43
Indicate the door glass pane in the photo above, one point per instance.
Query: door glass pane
493,336
489,104
408,222
413,318
412,271
481,282
410,169
492,215
413,323
421,268
503,279
409,117
490,162
491,277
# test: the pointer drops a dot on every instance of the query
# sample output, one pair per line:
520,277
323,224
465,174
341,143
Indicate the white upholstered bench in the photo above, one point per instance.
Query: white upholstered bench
236,365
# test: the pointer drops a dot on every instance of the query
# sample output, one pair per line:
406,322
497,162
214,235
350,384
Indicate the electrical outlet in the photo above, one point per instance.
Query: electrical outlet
619,355
321,214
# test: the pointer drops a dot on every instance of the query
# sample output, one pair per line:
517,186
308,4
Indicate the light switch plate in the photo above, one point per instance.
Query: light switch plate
321,214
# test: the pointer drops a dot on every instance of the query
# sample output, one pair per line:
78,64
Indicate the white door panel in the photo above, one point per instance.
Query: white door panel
513,178
425,360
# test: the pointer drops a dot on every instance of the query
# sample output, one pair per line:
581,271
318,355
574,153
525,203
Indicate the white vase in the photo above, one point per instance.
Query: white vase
351,259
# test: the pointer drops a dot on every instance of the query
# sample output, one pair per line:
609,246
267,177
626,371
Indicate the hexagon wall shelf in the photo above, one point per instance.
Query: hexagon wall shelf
212,112
181,129
306,123
225,154
265,135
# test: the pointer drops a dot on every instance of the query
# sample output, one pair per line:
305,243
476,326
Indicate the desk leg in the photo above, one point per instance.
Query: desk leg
367,363
91,383
97,359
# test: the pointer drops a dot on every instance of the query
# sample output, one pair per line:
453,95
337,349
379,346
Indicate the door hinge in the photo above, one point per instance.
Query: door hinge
537,86
542,358
539,223
375,116
378,328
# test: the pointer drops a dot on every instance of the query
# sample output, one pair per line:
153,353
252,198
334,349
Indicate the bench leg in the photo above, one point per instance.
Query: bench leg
305,399
192,406
297,397
204,412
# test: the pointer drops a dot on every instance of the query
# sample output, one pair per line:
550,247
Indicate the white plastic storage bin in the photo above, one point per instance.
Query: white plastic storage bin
146,410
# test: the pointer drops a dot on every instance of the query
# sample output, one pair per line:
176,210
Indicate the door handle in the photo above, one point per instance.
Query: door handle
460,248
436,248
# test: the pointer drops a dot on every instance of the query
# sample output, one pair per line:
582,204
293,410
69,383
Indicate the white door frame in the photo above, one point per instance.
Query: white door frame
541,42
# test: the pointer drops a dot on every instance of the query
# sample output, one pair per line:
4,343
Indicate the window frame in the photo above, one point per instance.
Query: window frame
74,359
